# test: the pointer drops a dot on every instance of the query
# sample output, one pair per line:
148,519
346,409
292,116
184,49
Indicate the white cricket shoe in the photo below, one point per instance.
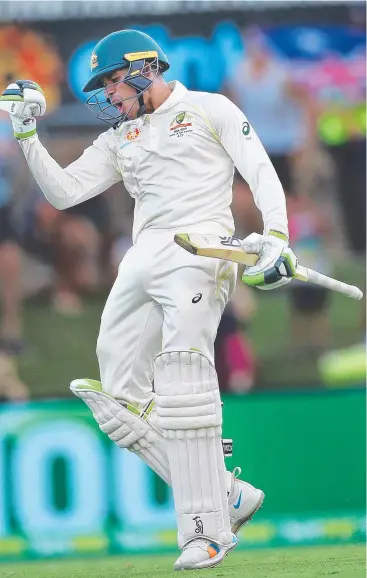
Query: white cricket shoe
243,502
203,553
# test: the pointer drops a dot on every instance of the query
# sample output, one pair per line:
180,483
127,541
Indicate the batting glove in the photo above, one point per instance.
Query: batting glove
276,265
23,100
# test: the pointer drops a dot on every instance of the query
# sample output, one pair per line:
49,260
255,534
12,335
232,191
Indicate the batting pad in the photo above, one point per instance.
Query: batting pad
126,425
189,414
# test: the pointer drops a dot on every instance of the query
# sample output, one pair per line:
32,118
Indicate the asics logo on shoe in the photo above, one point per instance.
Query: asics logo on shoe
238,503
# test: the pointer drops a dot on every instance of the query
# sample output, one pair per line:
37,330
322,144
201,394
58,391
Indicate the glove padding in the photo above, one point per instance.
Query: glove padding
23,100
276,265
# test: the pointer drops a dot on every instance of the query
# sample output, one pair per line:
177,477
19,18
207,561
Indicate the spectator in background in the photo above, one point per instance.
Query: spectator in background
247,216
281,111
234,358
343,125
285,118
309,229
234,355
11,337
75,243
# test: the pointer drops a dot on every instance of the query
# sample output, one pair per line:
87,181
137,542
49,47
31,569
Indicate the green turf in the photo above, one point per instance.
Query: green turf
312,562
60,349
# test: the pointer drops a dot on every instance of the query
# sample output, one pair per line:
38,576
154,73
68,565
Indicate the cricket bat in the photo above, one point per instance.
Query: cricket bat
231,249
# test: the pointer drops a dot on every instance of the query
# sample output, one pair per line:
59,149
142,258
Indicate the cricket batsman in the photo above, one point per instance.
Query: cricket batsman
175,151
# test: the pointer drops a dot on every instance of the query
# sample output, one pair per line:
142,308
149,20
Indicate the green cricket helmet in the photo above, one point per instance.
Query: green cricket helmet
126,49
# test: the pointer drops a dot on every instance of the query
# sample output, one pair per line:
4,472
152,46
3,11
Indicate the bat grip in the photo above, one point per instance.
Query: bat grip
330,283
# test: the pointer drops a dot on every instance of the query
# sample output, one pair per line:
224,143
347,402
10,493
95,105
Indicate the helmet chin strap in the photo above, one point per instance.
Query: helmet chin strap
140,83
141,111
138,79
142,107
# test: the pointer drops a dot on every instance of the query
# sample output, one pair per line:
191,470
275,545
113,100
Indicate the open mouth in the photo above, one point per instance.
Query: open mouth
119,105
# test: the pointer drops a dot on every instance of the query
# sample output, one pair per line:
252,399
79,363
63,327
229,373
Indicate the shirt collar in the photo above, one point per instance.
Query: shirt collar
178,93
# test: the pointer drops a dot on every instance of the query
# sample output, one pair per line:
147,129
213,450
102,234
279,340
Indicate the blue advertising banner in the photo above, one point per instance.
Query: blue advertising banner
65,489
323,49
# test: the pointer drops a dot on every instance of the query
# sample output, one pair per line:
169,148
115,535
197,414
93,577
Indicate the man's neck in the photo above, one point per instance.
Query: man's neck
157,95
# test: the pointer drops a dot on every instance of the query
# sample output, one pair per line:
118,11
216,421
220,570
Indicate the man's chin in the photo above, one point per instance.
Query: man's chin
121,110
128,115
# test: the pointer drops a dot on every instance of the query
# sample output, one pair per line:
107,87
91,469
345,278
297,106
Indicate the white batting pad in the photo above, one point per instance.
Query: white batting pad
190,416
125,425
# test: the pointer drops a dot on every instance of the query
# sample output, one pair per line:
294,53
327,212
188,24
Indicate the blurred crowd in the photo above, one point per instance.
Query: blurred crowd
68,255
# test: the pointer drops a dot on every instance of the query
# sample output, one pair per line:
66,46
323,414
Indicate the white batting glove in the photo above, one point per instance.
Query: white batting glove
23,100
276,265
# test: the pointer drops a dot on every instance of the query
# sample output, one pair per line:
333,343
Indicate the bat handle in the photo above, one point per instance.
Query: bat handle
330,283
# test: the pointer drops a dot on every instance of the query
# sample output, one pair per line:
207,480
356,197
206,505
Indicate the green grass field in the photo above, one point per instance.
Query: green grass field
315,562
60,349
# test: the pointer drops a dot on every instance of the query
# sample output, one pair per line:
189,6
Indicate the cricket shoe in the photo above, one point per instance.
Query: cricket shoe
243,502
203,553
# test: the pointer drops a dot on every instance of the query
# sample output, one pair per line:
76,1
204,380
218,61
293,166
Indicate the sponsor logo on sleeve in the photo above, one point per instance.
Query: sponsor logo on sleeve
246,130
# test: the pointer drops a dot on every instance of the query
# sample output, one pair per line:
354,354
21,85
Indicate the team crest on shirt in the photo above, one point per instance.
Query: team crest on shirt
181,124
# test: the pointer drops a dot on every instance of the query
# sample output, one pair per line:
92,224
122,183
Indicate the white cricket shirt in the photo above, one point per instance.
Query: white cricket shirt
177,163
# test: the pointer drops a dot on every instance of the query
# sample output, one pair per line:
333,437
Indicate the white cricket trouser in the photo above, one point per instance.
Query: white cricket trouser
166,299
